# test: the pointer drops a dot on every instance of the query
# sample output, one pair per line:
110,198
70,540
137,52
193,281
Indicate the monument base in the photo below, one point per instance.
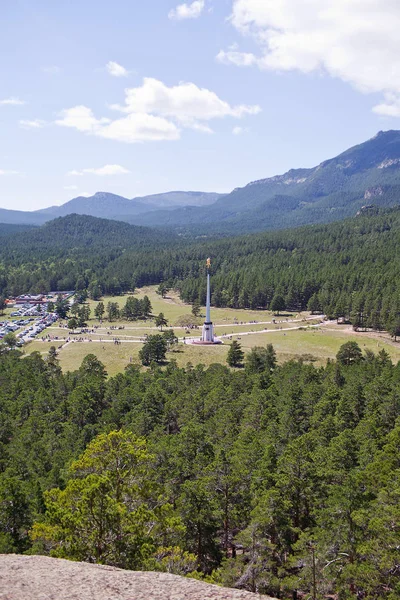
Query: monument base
204,343
207,336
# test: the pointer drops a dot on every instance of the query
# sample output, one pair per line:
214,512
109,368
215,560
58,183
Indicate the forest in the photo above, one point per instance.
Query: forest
283,480
348,270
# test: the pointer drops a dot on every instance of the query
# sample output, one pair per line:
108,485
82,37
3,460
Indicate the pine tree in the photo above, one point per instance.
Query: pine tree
99,310
112,311
161,321
196,309
154,349
235,354
146,307
277,304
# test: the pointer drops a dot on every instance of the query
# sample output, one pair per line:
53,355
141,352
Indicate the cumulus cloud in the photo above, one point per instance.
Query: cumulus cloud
12,101
185,101
187,11
102,171
141,127
130,129
81,118
116,70
156,112
355,41
33,124
390,107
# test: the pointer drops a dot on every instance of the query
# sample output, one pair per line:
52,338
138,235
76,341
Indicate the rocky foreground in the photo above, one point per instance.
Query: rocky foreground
43,578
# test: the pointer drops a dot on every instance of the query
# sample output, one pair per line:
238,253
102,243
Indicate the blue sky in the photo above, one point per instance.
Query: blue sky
138,97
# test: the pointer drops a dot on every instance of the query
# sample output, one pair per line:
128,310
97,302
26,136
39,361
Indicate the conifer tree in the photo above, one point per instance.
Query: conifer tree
235,354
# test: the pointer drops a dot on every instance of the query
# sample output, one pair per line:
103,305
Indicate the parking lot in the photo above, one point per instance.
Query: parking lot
27,322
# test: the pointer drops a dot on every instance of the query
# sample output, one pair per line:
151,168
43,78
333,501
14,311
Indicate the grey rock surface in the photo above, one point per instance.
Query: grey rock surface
43,578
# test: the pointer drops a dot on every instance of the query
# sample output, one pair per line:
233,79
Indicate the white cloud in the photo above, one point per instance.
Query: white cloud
7,172
389,108
33,124
239,130
156,112
140,127
116,70
12,101
81,118
74,173
185,101
70,187
199,127
234,57
187,11
354,40
131,129
102,171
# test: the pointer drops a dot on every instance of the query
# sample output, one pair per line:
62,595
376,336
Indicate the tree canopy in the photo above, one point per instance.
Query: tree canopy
279,479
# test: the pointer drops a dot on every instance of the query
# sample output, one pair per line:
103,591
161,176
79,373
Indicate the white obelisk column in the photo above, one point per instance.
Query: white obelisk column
208,329
208,302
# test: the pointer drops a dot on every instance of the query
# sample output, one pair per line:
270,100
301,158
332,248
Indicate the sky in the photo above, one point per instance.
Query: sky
139,97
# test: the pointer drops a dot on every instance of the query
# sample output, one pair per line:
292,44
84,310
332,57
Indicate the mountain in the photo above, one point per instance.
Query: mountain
368,173
102,204
109,206
20,217
75,235
365,174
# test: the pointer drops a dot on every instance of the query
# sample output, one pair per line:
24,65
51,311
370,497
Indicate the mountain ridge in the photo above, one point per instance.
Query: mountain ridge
109,206
333,190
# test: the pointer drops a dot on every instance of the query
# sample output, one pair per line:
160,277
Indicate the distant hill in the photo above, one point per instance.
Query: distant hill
101,204
20,217
77,250
77,234
335,189
109,206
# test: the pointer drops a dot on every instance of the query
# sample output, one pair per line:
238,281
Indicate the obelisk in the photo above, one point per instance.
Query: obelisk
208,328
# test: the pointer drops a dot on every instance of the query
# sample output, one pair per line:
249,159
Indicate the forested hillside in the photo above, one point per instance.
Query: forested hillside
80,233
272,479
349,269
8,229
70,252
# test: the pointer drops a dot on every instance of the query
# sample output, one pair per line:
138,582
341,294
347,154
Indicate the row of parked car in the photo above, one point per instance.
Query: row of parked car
28,327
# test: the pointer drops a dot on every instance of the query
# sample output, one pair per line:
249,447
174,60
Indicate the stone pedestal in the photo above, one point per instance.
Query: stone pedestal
207,334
